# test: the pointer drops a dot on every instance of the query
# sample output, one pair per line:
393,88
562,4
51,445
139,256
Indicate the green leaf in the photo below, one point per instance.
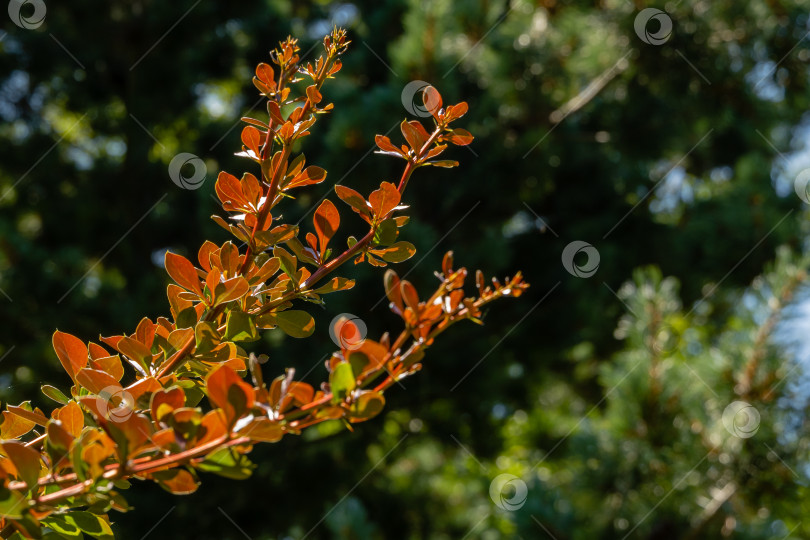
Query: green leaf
295,323
206,337
358,361
186,318
288,261
228,463
367,406
55,394
336,284
298,249
59,524
12,503
341,381
90,524
240,327
386,233
399,252
444,163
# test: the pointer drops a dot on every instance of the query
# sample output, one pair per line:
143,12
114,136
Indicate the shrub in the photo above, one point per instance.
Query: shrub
62,474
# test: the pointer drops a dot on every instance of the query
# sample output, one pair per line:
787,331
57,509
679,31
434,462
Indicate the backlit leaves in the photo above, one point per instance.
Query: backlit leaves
398,252
309,176
183,272
252,139
294,323
177,481
72,352
341,382
366,406
384,200
228,463
355,200
240,327
137,407
25,459
229,392
327,221
432,100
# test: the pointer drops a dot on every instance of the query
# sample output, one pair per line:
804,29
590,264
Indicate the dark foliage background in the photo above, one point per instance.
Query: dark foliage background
676,161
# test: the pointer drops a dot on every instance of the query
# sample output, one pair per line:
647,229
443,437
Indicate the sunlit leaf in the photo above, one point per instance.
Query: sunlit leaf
327,221
295,323
239,326
384,200
398,252
341,382
177,481
335,284
25,459
72,352
366,406
355,200
183,272
228,463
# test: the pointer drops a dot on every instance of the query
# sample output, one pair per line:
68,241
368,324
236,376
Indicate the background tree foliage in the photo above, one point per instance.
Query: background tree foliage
675,161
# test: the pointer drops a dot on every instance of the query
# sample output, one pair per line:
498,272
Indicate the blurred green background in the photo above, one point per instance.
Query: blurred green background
664,396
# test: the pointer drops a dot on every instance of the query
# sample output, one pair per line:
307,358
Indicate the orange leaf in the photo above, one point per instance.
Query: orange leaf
97,381
35,416
15,426
71,418
412,135
302,392
392,291
386,147
204,255
251,189
252,138
143,387
264,73
72,352
183,272
137,351
384,200
229,392
432,100
131,433
461,137
96,351
229,192
145,332
263,430
311,175
177,481
166,401
25,459
313,94
111,364
230,290
409,295
355,200
327,221
275,113
215,426
454,112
